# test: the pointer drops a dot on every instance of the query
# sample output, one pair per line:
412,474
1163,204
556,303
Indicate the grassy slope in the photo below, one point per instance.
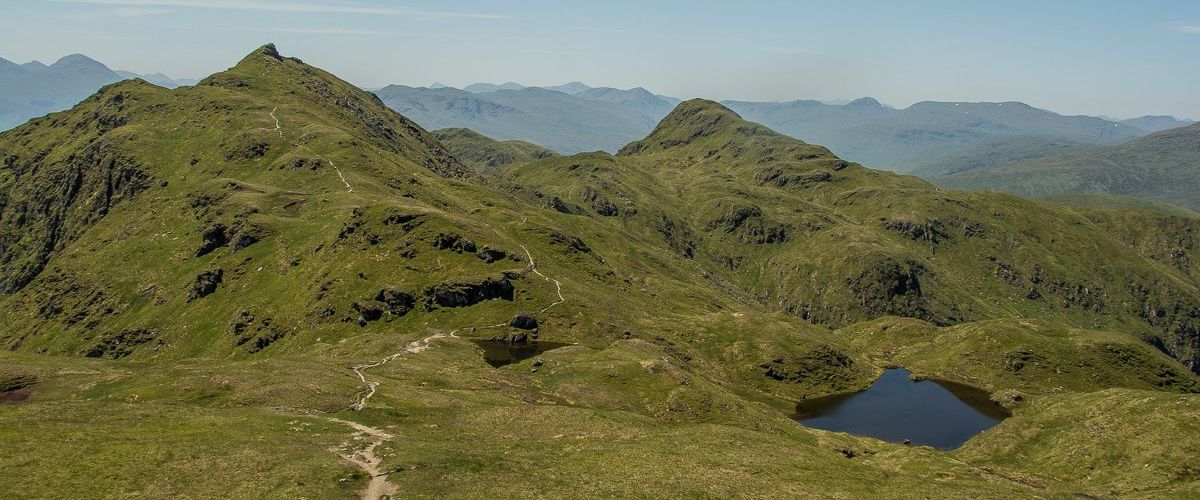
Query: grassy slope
486,154
838,243
664,393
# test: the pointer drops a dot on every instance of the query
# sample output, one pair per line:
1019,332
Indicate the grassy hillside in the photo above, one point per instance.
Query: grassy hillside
1162,166
266,286
486,154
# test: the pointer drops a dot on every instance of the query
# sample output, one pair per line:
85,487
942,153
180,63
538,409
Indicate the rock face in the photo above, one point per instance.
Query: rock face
206,283
467,294
212,237
397,303
61,197
453,241
524,321
120,344
491,255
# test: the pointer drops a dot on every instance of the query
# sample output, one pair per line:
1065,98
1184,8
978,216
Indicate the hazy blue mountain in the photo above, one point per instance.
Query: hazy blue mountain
158,79
932,138
569,88
481,88
1163,166
1151,123
33,89
592,120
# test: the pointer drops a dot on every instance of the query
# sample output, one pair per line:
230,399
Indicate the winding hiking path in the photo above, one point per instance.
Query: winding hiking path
414,347
365,458
557,285
279,130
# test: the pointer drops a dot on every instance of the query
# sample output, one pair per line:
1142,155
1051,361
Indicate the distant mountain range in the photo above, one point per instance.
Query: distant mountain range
1163,166
931,139
936,138
591,119
34,89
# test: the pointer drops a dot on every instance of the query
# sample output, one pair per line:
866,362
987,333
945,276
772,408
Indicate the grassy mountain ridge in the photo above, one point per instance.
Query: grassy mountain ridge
485,153
300,251
867,242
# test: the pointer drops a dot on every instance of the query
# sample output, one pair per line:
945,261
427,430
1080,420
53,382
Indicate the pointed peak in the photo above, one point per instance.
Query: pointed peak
697,121
688,111
269,50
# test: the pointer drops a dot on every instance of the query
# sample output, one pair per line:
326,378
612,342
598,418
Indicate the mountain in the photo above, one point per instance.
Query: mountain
569,88
483,88
1151,124
484,153
34,89
596,119
272,285
1163,166
158,79
934,138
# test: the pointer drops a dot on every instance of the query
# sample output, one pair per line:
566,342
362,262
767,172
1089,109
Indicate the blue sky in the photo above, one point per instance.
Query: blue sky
1120,58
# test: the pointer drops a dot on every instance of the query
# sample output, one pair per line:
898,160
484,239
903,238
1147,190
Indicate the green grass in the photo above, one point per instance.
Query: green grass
694,264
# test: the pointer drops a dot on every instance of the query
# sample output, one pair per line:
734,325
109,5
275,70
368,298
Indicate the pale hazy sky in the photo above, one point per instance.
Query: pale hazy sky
1119,58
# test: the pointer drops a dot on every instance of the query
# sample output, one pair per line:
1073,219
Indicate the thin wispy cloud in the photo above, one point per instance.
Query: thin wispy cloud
340,31
1190,29
292,7
115,12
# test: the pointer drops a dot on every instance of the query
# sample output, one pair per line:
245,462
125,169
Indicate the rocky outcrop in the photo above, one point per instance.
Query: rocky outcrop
453,241
465,294
212,237
121,344
490,255
524,321
205,284
885,286
823,363
254,333
395,302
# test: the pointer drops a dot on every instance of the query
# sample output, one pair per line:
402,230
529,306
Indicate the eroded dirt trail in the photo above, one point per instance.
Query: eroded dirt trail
349,188
365,458
414,347
557,285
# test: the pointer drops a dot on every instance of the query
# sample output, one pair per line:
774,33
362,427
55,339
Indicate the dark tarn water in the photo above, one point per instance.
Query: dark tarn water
499,353
940,414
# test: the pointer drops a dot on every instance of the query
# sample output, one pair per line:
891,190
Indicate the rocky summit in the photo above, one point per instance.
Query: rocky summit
270,284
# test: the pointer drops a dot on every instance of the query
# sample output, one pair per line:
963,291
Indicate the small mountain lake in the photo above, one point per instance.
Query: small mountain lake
935,413
500,352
